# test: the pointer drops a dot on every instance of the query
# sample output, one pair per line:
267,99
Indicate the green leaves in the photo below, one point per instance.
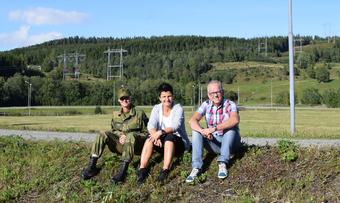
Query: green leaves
288,150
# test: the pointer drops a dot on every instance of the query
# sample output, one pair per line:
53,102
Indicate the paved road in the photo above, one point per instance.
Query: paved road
89,137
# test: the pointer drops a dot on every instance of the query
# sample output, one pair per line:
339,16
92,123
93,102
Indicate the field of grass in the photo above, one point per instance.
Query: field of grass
50,172
310,123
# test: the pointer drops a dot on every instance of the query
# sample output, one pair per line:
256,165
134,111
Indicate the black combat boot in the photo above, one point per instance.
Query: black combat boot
142,174
120,176
91,169
163,175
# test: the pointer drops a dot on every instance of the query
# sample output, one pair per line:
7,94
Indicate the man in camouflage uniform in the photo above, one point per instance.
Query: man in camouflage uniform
126,137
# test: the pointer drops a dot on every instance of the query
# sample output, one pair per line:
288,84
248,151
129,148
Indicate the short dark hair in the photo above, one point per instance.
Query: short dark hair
164,87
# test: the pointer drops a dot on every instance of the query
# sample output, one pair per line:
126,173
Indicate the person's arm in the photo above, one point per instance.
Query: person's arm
194,122
153,120
230,123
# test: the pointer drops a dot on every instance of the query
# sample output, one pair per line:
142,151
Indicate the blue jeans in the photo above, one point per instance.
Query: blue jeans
221,145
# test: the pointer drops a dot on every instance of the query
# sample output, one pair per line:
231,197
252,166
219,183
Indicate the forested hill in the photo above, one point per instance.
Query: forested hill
153,57
181,60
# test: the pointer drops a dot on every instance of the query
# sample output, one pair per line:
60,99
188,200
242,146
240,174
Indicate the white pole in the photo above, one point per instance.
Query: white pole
291,68
29,97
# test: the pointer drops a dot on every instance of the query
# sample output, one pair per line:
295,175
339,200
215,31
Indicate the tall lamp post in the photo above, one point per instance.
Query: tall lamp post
291,68
29,97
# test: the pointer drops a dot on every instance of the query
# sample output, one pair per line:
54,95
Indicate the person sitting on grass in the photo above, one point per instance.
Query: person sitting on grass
126,137
221,136
167,133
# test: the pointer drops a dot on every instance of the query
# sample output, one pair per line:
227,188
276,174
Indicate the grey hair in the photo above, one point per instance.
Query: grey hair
215,82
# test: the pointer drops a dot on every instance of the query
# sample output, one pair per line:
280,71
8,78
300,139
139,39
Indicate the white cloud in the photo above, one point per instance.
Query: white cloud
21,37
47,16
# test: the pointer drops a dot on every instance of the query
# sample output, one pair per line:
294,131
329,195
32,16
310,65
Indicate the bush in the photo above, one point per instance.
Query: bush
311,96
98,110
283,98
331,98
231,95
288,150
311,72
322,74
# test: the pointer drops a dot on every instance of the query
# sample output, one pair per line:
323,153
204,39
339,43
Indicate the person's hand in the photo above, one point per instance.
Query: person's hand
158,143
122,139
155,136
207,132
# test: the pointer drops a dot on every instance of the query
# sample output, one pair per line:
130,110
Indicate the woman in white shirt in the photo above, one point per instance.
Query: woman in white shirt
167,133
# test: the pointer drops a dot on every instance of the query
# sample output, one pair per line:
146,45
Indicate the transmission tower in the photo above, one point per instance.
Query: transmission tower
263,46
110,66
298,48
75,70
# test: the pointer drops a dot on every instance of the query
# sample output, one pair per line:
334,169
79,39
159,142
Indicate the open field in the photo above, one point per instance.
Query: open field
310,123
50,172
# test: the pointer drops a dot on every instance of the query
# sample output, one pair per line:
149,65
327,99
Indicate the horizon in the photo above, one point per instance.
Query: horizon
37,21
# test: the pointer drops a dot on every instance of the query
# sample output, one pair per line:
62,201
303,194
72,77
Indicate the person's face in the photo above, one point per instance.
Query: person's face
215,93
166,98
125,102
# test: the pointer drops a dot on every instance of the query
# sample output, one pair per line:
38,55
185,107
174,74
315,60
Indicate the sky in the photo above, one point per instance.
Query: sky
29,22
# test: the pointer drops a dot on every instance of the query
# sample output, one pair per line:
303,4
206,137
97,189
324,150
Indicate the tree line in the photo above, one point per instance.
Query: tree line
184,61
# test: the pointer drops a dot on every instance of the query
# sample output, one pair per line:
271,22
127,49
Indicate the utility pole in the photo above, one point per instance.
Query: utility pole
29,97
291,68
109,74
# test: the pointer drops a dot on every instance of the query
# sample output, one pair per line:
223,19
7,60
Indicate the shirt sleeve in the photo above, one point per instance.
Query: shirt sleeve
153,121
233,106
177,117
202,109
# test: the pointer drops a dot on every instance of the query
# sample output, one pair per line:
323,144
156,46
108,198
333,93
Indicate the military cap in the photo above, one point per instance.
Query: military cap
123,92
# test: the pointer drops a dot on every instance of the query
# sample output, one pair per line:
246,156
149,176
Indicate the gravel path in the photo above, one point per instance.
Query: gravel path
90,137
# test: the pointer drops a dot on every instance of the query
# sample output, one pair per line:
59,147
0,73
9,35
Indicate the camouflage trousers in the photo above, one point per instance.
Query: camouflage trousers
133,144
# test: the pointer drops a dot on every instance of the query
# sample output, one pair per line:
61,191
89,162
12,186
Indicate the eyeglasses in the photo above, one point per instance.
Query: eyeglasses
217,92
124,98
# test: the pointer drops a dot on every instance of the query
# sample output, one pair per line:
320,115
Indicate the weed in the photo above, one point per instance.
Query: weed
288,150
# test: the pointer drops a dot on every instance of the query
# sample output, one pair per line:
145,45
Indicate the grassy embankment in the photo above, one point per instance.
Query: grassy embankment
50,171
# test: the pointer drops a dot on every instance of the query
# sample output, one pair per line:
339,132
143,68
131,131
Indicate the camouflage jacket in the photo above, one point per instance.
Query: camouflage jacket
134,121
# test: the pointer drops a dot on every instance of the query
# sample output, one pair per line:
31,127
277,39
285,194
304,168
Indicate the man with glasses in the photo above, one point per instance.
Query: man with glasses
126,137
221,134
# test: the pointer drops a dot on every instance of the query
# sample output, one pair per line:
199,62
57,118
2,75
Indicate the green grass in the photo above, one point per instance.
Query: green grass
50,172
310,123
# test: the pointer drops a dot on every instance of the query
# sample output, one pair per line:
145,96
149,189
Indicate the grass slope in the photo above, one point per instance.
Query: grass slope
49,172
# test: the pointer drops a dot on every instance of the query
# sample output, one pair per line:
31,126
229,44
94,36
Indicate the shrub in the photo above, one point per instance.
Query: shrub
98,110
288,150
322,74
311,72
311,96
331,98
283,98
231,95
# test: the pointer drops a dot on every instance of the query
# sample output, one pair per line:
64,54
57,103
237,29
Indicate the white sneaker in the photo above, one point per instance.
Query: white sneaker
222,171
194,173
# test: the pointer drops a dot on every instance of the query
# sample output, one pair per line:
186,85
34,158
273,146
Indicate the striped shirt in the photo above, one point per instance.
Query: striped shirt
215,115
